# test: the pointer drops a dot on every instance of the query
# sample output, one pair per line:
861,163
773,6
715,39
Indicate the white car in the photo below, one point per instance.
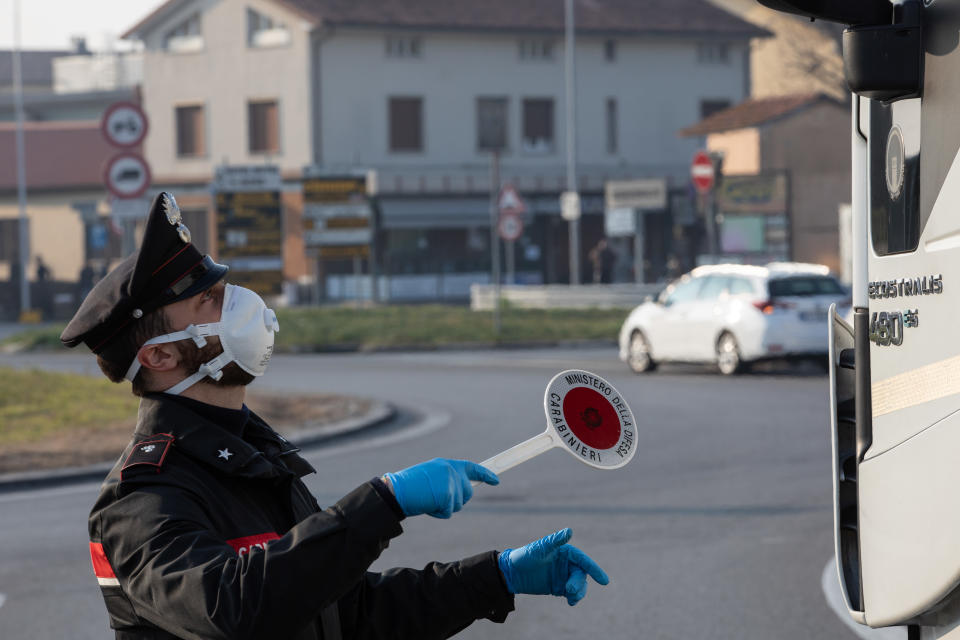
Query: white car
733,315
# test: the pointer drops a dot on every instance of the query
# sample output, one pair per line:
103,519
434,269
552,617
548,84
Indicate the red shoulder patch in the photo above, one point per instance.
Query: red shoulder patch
151,451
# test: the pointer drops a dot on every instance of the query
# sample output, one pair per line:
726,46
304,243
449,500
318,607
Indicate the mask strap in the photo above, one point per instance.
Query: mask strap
211,369
195,332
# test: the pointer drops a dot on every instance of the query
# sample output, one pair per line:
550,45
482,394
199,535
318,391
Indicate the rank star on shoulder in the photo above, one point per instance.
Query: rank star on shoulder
225,454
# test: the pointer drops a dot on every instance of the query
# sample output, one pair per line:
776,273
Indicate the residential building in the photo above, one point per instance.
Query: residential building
786,172
423,94
68,206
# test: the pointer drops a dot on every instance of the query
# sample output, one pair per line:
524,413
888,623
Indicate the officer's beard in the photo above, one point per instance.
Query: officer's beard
192,358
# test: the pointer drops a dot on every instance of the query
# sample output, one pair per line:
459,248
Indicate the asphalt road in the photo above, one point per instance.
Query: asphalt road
719,528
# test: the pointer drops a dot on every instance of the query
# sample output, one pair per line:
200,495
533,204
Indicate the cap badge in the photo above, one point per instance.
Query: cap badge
184,233
224,453
137,313
171,209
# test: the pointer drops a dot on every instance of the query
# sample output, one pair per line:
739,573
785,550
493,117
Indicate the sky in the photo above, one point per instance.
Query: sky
49,24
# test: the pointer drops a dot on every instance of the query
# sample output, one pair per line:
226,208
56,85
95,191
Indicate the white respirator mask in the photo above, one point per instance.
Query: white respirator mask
245,329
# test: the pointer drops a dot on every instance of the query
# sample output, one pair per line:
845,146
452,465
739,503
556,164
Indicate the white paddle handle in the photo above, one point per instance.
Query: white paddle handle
520,453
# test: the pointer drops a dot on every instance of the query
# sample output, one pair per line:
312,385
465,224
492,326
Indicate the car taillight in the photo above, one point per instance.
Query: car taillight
769,306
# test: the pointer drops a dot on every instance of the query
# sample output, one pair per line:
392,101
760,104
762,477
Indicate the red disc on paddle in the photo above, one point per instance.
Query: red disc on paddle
591,418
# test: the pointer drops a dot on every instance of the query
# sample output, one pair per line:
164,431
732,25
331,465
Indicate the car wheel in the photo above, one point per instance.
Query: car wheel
638,357
728,355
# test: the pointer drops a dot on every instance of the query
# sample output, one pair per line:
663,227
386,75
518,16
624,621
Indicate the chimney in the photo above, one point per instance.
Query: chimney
79,44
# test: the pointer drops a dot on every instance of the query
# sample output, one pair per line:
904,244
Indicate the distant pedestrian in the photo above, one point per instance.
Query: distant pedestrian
44,299
602,259
85,282
43,271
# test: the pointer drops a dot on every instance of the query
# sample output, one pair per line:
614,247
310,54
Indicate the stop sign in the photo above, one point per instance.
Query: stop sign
701,171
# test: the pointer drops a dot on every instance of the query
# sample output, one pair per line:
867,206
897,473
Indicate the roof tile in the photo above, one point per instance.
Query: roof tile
753,112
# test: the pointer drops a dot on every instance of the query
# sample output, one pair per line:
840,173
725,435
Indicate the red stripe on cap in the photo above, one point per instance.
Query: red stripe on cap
101,566
185,273
155,271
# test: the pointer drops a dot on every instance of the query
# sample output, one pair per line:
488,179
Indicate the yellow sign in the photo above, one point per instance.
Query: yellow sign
753,194
342,252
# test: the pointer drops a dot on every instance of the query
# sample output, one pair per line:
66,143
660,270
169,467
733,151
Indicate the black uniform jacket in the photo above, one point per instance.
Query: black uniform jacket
206,531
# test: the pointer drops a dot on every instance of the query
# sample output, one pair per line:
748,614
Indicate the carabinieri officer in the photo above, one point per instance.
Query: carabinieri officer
204,529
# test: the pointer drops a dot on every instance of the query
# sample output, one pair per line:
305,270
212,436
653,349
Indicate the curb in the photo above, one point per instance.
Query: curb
312,434
15,350
451,346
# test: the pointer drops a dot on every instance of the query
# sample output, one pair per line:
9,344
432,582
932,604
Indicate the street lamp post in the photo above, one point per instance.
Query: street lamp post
571,128
24,237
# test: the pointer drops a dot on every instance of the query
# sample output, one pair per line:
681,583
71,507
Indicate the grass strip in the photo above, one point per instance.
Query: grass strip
305,329
35,405
422,326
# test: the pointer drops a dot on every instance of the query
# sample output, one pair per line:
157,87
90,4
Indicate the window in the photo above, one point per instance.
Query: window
611,125
713,53
805,286
263,32
710,107
406,124
185,37
491,124
9,239
609,50
535,49
740,286
684,290
404,47
538,125
191,132
896,218
263,126
713,288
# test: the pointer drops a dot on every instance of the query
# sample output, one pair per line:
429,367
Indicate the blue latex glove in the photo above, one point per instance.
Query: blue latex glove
549,566
438,487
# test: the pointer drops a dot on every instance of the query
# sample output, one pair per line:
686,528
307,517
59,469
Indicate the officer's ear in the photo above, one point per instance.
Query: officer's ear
159,357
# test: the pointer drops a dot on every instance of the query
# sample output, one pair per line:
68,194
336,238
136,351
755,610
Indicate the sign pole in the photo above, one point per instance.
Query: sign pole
23,226
510,244
638,241
495,238
570,75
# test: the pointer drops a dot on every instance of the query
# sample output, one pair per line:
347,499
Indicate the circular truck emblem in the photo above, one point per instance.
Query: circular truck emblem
894,162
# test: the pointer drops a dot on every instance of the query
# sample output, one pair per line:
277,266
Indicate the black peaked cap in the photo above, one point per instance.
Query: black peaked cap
165,269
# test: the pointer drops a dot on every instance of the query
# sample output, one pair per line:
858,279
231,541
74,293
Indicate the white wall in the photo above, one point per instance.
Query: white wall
223,77
658,84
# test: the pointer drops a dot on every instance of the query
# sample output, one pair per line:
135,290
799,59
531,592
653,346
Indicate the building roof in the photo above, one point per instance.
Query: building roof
755,112
60,155
628,17
36,67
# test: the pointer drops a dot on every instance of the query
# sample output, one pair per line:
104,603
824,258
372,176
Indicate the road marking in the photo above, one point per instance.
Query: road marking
434,421
34,494
3,598
834,597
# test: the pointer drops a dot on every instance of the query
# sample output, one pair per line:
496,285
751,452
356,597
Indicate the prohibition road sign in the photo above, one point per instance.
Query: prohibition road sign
124,124
127,175
510,227
701,171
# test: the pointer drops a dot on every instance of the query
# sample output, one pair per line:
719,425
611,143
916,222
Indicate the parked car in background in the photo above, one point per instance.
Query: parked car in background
734,315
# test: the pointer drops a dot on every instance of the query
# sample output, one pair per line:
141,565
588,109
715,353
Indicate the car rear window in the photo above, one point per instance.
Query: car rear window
804,286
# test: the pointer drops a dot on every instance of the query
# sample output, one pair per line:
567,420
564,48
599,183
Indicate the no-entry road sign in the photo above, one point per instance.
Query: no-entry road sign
702,172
